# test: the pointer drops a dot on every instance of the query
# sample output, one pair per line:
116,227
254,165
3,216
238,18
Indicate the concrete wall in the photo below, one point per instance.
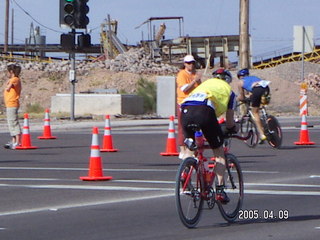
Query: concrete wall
98,104
166,96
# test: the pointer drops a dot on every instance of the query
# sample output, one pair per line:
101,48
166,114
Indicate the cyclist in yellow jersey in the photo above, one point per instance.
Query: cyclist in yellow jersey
209,100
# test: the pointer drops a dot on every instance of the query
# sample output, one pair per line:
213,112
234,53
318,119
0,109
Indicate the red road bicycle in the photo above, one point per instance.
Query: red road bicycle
195,179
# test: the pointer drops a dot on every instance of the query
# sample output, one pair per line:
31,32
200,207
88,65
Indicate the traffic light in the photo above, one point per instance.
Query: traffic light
84,41
81,18
67,41
67,11
73,13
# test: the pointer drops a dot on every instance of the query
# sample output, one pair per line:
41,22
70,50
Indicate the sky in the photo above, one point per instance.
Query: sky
271,21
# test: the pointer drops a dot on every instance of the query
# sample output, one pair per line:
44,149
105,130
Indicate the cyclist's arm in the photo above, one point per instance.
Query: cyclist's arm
230,112
241,96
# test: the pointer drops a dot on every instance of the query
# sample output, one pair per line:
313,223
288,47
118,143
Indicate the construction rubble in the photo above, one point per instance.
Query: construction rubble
133,61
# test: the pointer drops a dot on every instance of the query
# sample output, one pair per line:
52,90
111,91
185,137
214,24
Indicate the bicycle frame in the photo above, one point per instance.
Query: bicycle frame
199,150
270,125
262,109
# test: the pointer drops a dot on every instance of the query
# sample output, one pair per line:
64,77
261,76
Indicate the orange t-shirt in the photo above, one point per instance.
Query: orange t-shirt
183,79
11,97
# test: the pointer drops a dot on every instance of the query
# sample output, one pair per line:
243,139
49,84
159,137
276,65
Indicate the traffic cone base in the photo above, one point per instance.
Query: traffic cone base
26,147
171,147
304,143
96,178
109,150
47,137
95,162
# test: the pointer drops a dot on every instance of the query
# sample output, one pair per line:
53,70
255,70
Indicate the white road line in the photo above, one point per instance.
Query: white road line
85,204
86,169
164,192
116,170
315,176
282,185
31,179
155,182
128,188
277,192
83,187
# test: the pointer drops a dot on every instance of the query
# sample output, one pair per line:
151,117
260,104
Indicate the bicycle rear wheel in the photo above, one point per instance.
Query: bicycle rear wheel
189,202
273,132
233,182
247,125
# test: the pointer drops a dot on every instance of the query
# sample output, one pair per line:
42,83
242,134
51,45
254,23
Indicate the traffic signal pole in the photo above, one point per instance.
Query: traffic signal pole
73,15
72,78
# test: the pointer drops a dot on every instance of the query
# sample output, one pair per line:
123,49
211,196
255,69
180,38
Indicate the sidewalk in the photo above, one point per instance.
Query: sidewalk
64,125
116,123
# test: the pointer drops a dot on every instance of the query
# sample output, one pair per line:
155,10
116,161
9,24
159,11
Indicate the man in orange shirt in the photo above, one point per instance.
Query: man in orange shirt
187,80
11,99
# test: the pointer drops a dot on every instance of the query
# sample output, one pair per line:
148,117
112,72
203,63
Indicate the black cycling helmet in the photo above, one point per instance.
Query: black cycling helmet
223,74
243,72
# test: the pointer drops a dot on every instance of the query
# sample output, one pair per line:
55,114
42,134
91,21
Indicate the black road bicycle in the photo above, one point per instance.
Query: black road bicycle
271,126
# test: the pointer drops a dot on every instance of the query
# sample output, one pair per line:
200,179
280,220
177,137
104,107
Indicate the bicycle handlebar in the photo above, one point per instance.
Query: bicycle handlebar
196,127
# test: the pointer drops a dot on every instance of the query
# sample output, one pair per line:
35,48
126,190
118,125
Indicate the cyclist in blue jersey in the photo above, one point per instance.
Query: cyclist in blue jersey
256,87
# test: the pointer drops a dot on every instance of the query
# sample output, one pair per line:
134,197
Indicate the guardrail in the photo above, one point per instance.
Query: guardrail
313,56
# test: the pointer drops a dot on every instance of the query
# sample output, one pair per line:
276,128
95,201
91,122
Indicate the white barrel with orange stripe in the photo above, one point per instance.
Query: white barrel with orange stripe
303,99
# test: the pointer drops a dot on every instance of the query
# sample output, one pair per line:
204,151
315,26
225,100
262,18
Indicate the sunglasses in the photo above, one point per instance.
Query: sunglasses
189,62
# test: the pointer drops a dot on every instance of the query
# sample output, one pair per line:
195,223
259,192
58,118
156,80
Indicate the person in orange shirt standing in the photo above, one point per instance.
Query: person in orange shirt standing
187,80
11,99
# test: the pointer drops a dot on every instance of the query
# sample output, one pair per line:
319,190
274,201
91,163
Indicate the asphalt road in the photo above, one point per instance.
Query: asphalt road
42,196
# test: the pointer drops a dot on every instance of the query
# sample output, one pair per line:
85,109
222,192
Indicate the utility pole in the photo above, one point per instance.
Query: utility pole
244,44
12,25
6,27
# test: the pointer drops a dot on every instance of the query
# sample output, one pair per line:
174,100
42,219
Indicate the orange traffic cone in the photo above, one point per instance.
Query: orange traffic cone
304,133
171,148
107,138
95,165
26,138
46,127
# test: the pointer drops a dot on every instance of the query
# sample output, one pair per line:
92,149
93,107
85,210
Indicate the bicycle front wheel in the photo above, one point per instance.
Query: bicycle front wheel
233,181
273,132
247,125
189,202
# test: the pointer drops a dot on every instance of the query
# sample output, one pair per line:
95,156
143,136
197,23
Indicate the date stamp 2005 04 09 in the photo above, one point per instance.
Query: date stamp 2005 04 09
264,214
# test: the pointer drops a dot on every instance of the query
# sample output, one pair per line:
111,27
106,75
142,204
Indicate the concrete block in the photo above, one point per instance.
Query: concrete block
98,104
166,96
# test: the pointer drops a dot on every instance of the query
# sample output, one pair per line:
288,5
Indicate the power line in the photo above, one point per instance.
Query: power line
21,8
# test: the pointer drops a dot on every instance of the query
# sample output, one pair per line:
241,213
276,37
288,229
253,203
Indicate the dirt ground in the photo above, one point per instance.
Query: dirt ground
38,87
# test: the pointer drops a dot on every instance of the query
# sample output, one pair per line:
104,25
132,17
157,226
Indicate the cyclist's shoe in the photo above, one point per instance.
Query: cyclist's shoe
14,145
8,145
221,195
262,139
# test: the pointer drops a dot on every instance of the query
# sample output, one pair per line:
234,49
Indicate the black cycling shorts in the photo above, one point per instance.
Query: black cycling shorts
256,95
205,117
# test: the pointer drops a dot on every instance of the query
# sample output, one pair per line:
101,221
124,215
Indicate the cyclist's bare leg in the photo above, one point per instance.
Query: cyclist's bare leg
188,153
255,112
220,164
182,152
